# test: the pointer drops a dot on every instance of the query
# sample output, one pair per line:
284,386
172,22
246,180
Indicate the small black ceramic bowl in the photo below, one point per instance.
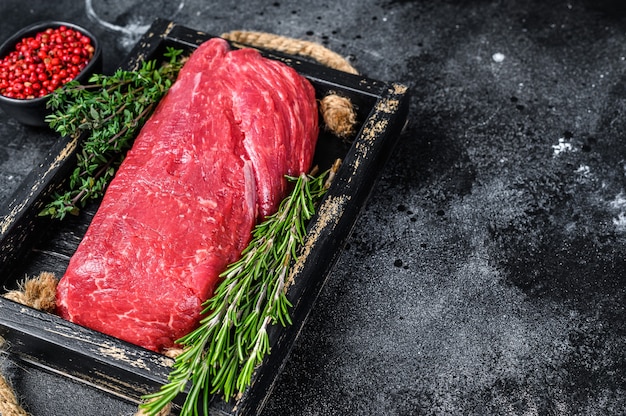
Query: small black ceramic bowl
33,111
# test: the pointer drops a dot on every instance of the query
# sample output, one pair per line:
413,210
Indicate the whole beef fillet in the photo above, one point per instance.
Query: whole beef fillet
206,166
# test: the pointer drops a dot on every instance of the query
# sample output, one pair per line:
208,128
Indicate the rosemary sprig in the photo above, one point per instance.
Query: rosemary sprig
232,340
109,110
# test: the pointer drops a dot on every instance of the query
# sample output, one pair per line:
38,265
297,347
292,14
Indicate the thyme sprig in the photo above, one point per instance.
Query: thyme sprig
109,111
232,339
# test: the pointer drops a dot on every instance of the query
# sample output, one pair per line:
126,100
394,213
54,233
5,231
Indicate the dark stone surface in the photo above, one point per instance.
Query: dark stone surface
486,274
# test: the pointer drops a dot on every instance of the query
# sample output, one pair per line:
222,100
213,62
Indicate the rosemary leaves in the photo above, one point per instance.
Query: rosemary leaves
232,340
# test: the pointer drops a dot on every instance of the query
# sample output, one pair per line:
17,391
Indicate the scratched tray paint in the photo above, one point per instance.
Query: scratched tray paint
31,244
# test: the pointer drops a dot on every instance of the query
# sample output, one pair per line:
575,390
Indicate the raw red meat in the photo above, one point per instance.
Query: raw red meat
206,166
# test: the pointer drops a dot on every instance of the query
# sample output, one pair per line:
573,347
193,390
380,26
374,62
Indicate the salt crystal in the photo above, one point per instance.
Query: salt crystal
497,57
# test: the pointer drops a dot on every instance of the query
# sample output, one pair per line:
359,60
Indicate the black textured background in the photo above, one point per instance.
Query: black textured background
486,274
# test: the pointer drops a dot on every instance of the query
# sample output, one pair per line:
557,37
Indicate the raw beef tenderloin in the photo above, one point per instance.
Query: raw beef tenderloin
204,169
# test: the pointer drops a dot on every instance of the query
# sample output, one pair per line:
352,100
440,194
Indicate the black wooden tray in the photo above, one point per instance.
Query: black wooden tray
30,244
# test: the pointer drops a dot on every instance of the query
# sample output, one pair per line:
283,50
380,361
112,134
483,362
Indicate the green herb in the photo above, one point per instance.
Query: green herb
222,354
109,110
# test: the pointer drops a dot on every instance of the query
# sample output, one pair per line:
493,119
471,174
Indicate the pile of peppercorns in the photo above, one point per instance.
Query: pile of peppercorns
42,63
